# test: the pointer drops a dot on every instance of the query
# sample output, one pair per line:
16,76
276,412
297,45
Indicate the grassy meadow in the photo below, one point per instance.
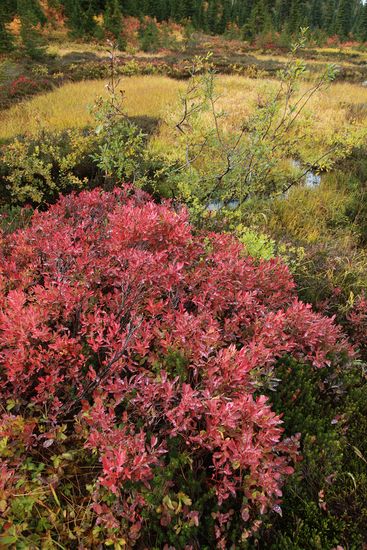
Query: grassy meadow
339,106
69,106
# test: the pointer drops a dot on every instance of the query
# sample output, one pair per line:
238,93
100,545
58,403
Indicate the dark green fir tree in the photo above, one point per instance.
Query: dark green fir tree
213,16
225,17
297,16
259,19
113,22
80,17
344,18
6,39
31,16
315,18
362,30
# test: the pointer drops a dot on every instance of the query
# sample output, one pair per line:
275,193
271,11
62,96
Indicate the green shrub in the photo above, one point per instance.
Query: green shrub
319,233
120,154
37,169
87,71
325,503
258,245
251,159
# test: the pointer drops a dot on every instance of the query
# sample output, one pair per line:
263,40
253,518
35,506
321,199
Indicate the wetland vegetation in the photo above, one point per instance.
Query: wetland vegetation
183,274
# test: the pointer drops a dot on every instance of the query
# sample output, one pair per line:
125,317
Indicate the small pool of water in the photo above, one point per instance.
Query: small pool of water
312,178
216,205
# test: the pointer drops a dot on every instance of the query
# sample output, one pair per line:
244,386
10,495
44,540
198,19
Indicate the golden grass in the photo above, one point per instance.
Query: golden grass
309,215
60,50
68,106
330,107
346,51
322,61
100,51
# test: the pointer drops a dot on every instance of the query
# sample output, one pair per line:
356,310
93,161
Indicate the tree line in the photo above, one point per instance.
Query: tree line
345,18
341,17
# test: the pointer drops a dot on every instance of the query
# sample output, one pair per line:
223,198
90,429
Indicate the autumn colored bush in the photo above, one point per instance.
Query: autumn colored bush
21,88
24,86
357,324
135,356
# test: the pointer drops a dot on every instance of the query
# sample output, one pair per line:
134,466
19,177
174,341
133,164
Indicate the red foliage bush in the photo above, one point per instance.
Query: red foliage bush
21,88
24,86
357,324
151,343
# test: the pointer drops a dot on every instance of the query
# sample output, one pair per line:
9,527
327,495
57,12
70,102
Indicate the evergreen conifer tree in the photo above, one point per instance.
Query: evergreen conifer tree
130,7
162,10
6,39
198,18
149,36
315,20
297,16
329,16
258,19
80,17
281,14
362,31
212,16
113,22
225,17
344,18
341,17
31,15
243,12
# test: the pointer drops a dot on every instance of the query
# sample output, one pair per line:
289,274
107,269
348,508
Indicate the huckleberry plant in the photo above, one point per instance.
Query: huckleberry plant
135,357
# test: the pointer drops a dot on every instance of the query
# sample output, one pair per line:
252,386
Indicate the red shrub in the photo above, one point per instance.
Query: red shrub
333,41
24,86
357,324
148,340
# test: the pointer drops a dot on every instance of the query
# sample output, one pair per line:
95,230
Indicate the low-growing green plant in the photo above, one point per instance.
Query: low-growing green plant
325,502
91,70
258,245
326,224
37,169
